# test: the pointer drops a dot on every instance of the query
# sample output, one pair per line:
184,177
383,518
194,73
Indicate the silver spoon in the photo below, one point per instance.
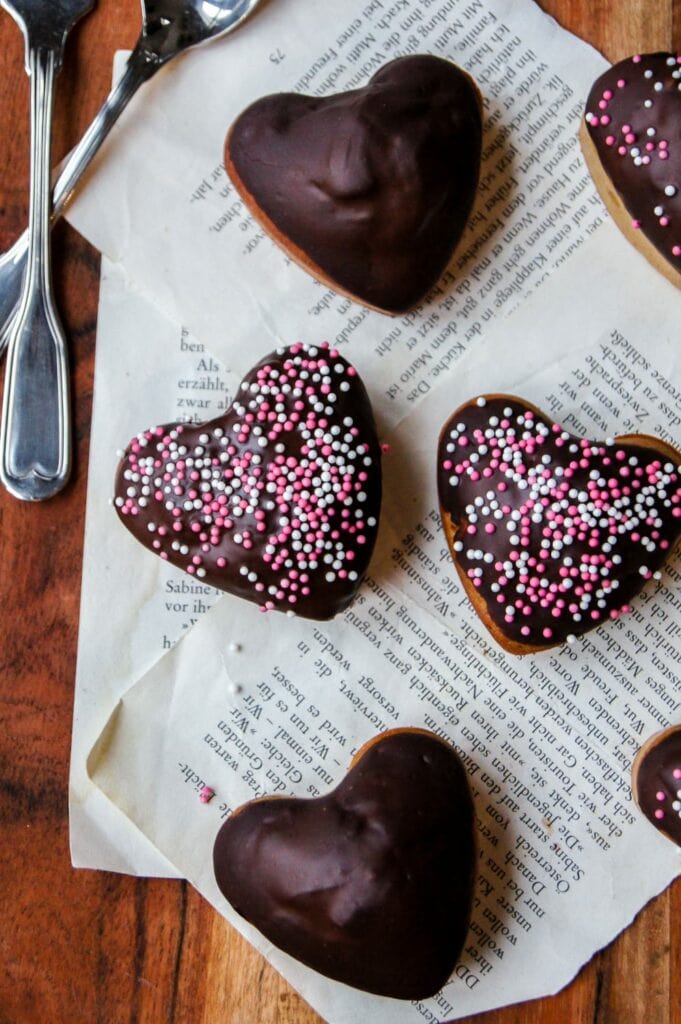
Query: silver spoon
37,342
168,28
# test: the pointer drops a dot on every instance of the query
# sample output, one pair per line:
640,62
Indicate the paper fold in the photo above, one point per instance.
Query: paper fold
543,299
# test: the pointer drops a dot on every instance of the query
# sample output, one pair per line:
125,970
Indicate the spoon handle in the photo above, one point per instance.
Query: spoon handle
140,67
35,450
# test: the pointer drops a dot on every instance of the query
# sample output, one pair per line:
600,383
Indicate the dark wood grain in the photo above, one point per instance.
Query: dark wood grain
82,946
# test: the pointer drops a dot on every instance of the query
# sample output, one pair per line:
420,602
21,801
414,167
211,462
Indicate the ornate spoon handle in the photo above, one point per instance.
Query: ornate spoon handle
35,456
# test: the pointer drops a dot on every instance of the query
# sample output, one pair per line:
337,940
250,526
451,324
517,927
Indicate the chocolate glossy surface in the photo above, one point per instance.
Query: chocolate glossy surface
373,187
657,783
555,533
633,116
277,500
370,885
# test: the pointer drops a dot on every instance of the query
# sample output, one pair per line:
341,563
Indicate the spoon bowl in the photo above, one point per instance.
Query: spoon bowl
170,26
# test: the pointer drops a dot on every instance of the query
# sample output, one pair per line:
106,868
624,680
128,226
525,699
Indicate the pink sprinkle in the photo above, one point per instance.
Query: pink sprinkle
660,796
206,794
659,814
677,773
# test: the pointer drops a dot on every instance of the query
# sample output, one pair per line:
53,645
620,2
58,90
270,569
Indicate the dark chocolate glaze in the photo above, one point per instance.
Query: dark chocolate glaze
657,783
374,186
643,94
603,535
278,499
370,885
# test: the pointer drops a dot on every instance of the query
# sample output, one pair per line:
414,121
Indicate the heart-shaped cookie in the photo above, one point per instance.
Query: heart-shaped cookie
368,190
552,534
370,885
631,137
277,500
656,782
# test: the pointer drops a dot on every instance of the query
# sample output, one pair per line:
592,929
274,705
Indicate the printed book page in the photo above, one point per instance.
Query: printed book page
186,254
191,289
148,371
565,859
564,862
159,201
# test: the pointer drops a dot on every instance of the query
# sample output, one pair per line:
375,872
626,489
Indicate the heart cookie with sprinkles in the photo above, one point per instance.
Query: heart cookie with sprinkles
370,190
552,534
656,782
631,138
371,884
278,499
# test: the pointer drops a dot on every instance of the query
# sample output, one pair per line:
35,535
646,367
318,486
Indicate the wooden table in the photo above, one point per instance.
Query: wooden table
81,946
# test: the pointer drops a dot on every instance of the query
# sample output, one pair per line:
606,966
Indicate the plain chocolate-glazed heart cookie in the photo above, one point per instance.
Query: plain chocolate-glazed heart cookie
552,534
368,190
370,885
656,782
631,137
278,499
